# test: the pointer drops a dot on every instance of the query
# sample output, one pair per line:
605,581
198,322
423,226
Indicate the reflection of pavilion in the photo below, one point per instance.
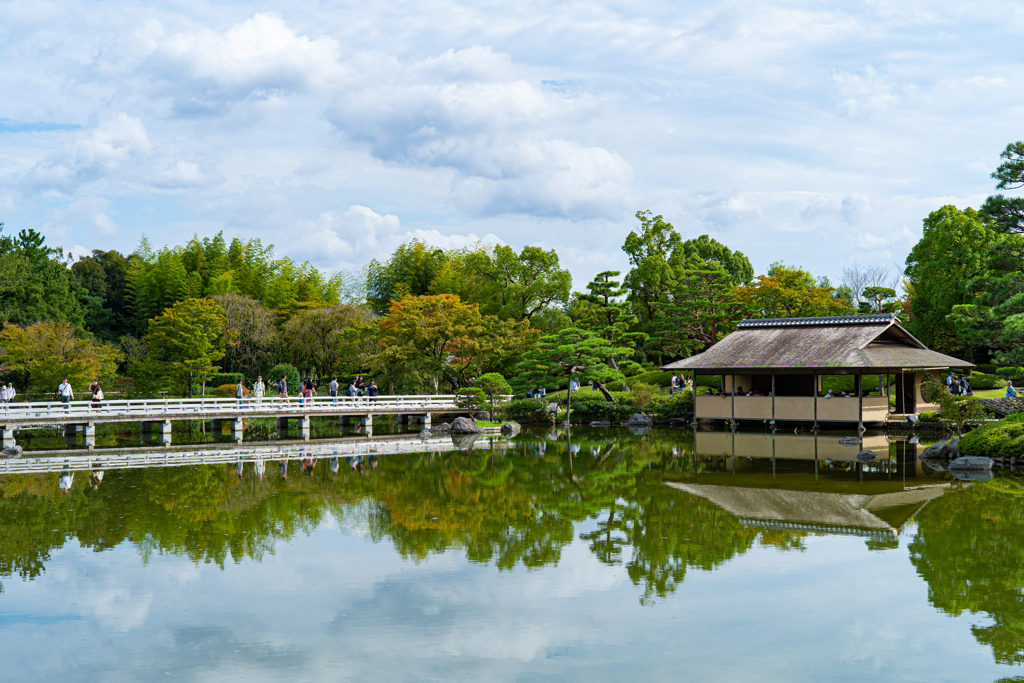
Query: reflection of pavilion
842,513
790,446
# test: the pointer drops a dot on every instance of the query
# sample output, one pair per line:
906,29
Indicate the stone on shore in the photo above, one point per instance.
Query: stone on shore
941,451
510,429
14,451
971,462
640,420
463,425
552,409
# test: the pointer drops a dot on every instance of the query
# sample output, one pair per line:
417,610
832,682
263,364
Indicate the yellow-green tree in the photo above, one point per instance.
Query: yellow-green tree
440,337
50,351
184,342
789,292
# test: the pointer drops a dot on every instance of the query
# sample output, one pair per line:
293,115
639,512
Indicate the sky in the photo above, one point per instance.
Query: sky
815,133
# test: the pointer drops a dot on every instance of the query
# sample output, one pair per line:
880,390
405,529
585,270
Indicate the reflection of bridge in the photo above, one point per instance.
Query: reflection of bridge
156,415
856,514
110,459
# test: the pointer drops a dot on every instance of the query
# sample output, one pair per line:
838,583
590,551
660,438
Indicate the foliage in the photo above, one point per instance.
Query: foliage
1003,439
184,342
930,416
981,381
610,317
282,370
254,332
493,385
230,390
522,408
409,272
572,351
952,252
102,275
472,400
49,351
439,337
660,378
644,396
219,378
317,339
788,292
705,306
36,286
211,267
956,412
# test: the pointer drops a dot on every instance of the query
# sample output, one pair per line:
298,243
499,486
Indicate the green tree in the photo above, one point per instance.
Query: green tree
704,308
575,352
788,292
103,275
410,271
46,352
440,338
515,286
609,316
317,339
185,341
493,384
952,252
254,332
37,285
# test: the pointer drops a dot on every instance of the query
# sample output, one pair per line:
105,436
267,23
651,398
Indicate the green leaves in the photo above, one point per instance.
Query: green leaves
185,341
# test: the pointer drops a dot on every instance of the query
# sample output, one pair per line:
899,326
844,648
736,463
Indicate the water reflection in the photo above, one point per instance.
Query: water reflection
654,504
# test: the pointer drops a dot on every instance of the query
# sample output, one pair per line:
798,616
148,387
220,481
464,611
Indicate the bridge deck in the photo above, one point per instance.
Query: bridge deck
43,414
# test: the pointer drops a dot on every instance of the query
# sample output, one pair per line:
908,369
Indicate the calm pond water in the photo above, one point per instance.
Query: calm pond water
606,557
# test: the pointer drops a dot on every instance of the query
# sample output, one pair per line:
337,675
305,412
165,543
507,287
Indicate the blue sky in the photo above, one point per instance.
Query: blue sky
816,133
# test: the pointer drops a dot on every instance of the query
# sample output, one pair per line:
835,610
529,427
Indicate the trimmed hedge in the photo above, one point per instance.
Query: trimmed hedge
987,368
223,378
589,411
228,390
980,380
275,376
659,378
929,416
523,408
1003,439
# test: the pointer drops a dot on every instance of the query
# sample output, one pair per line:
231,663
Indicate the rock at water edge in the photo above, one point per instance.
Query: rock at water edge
463,425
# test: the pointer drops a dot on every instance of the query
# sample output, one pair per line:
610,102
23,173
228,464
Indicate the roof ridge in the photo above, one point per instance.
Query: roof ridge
872,319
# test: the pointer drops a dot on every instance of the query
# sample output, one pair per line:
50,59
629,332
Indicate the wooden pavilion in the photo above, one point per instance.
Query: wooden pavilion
772,369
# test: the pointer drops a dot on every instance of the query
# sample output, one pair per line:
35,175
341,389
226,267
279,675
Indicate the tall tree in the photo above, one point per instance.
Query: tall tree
317,339
952,252
440,337
254,333
573,352
36,285
410,271
185,341
103,274
610,316
46,352
789,292
704,308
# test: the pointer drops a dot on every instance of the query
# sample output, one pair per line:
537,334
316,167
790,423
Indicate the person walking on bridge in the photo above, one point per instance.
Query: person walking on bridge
333,389
11,393
259,389
97,394
65,393
240,392
282,387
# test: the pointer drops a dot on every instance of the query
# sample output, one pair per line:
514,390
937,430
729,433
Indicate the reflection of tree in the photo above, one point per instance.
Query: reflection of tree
968,548
507,506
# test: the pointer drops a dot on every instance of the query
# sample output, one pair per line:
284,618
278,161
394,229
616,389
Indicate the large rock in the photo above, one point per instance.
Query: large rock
972,475
941,451
486,416
552,409
463,425
638,429
639,420
14,451
971,462
510,429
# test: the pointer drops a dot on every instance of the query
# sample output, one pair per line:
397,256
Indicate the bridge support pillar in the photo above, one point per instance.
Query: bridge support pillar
282,423
237,427
368,425
304,426
344,419
426,421
6,435
163,428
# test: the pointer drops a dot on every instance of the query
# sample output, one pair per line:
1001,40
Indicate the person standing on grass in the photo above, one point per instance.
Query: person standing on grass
1010,391
65,393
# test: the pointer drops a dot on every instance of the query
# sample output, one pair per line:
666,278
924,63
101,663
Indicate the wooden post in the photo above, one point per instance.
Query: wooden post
815,406
773,406
734,399
860,403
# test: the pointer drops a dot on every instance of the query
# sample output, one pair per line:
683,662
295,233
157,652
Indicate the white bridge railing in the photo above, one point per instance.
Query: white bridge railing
256,453
184,408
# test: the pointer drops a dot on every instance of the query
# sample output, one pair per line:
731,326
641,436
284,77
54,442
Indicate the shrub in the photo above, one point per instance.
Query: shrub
590,411
987,368
1003,439
929,416
713,381
218,379
523,409
275,376
473,400
981,380
644,396
228,390
659,378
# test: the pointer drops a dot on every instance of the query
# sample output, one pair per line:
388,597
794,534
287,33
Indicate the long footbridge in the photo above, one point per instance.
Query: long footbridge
156,415
257,455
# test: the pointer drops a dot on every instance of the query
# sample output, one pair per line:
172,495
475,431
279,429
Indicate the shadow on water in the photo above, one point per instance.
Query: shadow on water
656,505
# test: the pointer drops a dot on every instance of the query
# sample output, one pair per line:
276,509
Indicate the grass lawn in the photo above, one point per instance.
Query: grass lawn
998,392
488,423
